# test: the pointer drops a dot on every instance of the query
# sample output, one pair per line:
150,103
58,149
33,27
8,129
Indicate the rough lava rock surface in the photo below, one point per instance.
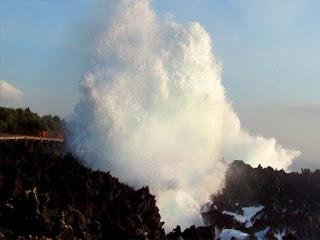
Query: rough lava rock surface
47,193
290,205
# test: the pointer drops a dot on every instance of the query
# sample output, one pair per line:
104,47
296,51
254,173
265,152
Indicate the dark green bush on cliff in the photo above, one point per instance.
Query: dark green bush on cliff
24,122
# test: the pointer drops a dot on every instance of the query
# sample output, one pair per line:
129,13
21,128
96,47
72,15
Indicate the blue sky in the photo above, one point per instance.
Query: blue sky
269,49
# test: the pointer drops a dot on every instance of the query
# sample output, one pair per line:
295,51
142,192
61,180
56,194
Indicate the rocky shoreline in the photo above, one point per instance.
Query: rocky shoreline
47,193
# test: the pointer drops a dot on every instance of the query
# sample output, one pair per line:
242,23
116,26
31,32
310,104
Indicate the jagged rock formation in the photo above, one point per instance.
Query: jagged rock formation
291,200
47,193
283,205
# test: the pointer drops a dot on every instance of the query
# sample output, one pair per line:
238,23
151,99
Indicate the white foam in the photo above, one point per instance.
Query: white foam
246,217
227,234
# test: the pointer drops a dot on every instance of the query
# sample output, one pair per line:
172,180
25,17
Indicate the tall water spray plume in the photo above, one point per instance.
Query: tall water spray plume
155,113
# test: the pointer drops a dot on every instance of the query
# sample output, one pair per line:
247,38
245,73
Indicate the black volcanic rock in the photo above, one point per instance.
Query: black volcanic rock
290,205
204,233
47,193
291,201
290,236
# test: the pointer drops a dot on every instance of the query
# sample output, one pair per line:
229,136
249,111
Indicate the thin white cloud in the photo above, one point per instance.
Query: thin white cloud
9,94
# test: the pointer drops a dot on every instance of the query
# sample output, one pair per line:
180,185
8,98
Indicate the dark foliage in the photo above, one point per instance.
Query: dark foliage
25,122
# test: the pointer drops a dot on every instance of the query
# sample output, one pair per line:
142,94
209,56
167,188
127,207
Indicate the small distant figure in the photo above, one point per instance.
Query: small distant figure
44,134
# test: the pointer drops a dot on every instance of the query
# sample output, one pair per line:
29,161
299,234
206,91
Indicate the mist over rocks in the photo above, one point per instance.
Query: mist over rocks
154,112
46,192
283,205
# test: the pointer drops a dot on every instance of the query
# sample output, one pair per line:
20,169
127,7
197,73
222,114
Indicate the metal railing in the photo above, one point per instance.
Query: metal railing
34,138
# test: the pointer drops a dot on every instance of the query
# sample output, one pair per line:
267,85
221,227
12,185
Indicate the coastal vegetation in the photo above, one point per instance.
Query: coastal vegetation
25,122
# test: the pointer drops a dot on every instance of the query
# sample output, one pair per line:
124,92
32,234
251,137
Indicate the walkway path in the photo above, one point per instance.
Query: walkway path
34,138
